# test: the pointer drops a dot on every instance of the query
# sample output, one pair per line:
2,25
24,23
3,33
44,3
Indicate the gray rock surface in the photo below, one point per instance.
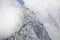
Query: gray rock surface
32,29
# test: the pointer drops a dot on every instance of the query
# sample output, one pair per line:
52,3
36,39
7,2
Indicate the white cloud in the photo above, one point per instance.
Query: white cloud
10,16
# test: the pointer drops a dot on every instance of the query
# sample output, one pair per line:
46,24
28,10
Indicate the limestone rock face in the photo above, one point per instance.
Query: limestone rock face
32,29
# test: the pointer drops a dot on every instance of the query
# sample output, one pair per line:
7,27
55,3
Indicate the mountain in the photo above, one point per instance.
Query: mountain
20,23
32,29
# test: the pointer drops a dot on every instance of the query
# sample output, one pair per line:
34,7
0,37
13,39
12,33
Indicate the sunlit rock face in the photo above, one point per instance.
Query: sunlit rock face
10,17
48,11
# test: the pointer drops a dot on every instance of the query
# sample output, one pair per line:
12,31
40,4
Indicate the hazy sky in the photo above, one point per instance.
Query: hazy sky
21,2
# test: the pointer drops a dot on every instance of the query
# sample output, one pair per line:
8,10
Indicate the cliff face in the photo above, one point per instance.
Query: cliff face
32,29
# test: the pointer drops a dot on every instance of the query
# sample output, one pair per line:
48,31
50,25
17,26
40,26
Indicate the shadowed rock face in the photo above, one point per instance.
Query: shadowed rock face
32,29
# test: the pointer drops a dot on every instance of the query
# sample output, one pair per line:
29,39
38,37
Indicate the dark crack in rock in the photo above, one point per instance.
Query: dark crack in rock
32,29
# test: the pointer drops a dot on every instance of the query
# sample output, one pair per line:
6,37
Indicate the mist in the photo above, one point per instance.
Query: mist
10,17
